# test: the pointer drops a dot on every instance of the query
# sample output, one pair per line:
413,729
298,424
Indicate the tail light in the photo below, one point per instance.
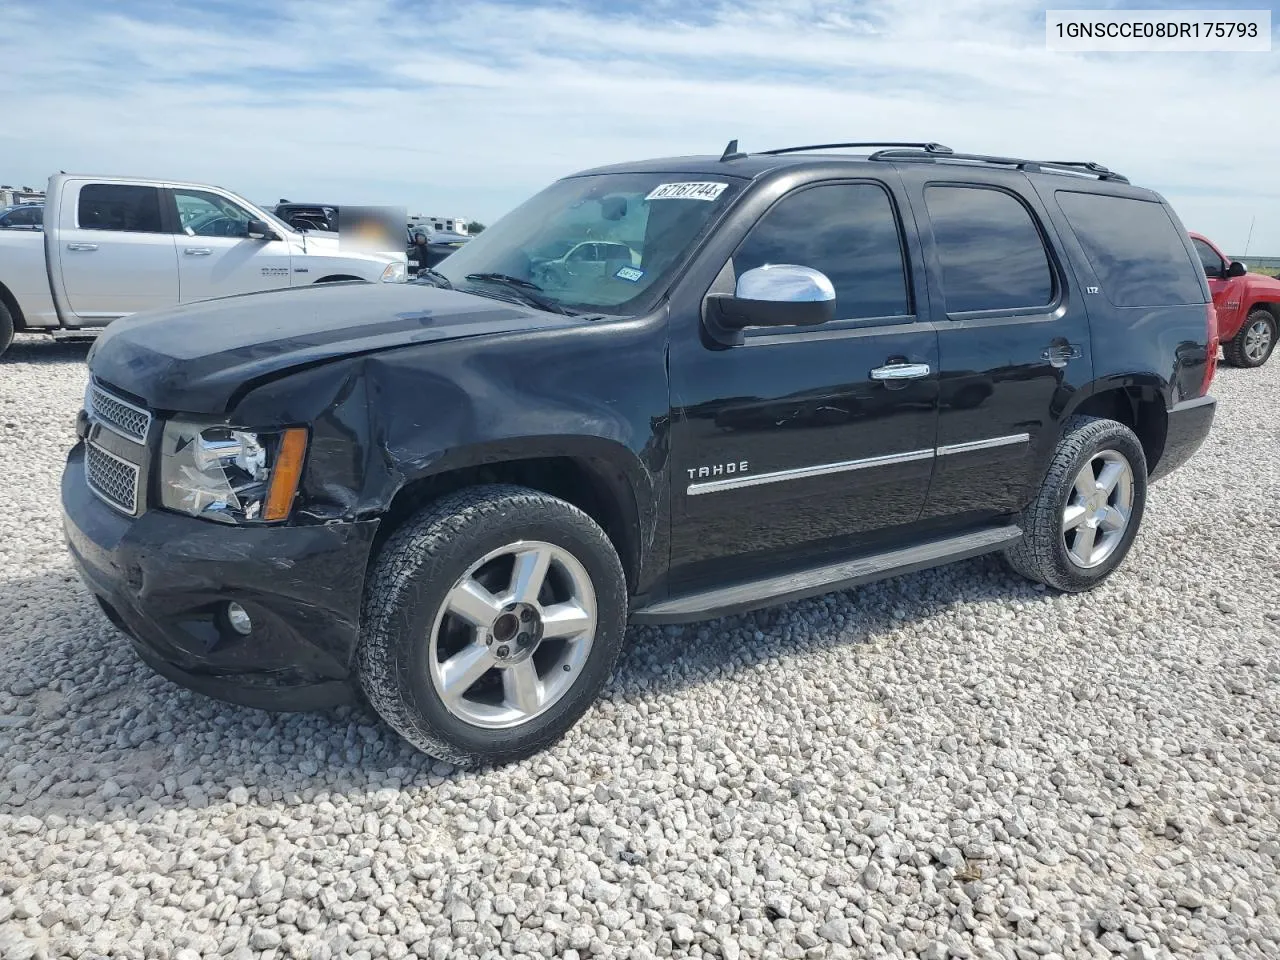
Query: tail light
1211,359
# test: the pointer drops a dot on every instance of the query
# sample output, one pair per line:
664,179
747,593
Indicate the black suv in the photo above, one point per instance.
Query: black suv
789,373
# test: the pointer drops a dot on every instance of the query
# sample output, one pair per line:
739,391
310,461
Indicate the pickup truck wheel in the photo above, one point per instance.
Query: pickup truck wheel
6,328
491,621
1252,345
1083,521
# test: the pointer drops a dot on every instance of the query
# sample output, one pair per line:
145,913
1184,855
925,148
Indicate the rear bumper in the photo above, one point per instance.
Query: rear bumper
1188,424
164,580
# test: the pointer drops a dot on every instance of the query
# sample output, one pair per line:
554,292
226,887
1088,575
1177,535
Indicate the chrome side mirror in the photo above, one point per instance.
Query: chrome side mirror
785,283
777,295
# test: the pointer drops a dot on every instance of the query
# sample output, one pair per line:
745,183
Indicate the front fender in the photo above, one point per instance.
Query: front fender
596,393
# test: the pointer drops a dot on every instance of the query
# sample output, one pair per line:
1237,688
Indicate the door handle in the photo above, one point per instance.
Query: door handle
1059,353
197,251
82,246
900,371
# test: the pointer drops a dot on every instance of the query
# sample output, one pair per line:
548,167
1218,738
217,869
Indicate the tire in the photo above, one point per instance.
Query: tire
1254,341
1048,552
409,631
6,328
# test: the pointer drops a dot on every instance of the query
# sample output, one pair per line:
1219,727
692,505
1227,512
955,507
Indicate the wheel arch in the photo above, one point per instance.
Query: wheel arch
11,304
601,478
1136,401
1271,306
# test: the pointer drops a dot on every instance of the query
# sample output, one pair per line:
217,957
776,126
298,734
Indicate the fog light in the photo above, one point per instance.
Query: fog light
238,618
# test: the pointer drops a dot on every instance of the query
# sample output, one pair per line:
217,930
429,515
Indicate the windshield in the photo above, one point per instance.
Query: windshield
602,243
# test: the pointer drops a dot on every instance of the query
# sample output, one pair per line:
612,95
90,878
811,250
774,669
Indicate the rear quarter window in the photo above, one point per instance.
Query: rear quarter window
1135,248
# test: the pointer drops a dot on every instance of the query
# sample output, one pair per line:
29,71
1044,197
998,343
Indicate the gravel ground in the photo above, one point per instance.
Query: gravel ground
952,764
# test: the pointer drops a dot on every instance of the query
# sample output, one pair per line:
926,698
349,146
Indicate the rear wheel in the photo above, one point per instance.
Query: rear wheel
6,328
1084,520
492,620
1252,345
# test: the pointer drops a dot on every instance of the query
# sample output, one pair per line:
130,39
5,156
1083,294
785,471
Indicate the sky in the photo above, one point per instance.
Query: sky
467,108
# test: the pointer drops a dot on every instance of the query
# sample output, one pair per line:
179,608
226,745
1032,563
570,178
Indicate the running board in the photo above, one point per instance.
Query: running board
742,597
75,333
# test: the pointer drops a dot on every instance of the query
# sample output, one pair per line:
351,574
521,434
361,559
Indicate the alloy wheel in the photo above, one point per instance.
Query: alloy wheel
513,634
1098,509
1257,340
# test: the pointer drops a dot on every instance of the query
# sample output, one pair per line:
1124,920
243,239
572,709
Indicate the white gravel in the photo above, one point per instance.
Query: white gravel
952,764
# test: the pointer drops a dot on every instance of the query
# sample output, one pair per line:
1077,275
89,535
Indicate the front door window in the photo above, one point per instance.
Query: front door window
204,214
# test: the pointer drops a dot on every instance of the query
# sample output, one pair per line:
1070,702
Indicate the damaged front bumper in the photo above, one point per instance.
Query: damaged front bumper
166,580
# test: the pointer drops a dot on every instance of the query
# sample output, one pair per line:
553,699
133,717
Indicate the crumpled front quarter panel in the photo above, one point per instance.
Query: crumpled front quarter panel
597,391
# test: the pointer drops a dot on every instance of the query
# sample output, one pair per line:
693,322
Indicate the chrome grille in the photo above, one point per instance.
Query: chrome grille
112,479
118,415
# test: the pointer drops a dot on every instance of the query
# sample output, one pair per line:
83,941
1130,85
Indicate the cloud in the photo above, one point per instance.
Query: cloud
468,108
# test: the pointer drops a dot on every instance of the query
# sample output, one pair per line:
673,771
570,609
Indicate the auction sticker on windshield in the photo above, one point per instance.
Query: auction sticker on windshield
686,191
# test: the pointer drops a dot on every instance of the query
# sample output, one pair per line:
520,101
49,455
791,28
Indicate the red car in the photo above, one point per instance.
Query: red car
1248,306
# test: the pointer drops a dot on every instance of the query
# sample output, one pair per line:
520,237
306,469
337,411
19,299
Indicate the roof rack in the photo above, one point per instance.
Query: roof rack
731,152
931,151
1028,166
930,148
1087,165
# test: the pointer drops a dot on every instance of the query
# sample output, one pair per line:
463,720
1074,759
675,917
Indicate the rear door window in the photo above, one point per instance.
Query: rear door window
121,207
1135,248
990,249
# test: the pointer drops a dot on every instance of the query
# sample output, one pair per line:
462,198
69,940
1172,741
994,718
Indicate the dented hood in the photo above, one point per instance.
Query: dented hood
196,357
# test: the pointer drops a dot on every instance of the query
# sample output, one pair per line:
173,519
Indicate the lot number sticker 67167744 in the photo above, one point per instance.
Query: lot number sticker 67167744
686,191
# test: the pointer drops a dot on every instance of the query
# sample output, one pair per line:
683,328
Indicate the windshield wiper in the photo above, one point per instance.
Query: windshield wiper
504,278
527,289
438,278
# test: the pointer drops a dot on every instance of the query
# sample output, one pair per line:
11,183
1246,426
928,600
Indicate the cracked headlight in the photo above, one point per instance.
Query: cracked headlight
233,476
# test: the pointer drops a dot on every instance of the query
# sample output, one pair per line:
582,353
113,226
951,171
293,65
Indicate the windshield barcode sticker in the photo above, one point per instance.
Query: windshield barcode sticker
686,191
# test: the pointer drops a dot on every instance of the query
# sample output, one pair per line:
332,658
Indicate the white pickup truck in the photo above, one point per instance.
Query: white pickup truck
114,246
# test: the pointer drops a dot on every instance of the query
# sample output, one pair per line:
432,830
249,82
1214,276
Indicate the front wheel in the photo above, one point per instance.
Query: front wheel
1252,345
1082,523
492,620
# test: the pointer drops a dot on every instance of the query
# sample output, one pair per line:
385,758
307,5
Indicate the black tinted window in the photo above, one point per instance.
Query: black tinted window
1135,248
118,206
991,252
847,231
1209,258
22,217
